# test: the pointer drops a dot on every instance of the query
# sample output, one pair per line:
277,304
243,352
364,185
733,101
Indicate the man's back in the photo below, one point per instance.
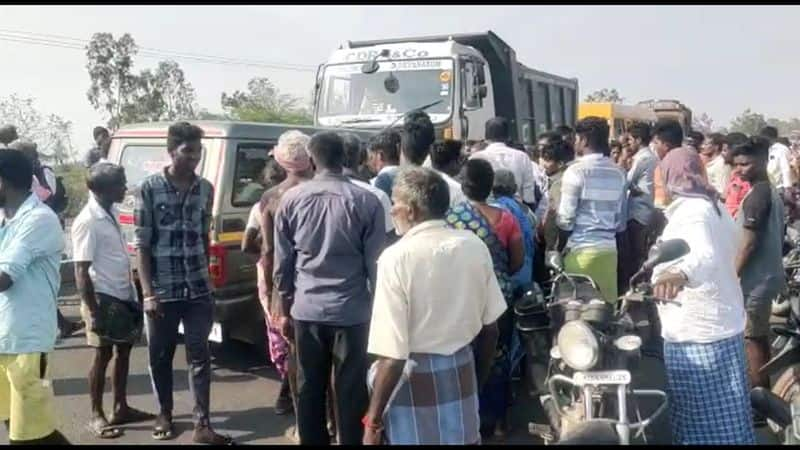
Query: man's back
592,197
517,162
329,233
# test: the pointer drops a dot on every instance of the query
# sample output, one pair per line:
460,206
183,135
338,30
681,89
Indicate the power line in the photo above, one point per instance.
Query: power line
147,52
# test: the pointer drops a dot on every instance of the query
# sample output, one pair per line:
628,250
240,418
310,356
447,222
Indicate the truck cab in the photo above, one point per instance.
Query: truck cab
468,79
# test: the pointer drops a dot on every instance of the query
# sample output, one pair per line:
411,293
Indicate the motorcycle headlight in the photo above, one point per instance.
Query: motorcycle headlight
578,345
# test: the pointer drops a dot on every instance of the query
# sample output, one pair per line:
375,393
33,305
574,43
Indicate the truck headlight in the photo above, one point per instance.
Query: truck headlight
578,345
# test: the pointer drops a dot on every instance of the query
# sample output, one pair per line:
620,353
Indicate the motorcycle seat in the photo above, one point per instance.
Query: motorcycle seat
771,406
592,432
786,332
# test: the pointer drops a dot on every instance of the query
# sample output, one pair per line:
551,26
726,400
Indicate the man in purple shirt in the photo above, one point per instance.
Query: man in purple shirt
328,235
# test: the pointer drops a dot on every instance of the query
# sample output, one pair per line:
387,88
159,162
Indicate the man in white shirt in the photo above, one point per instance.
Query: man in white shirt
436,293
501,156
719,172
415,145
778,168
108,300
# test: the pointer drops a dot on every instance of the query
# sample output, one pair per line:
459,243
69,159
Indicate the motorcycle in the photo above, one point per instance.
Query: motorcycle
791,265
781,407
595,351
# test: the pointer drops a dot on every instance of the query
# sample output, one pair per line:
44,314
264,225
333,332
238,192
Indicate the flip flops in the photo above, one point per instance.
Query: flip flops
162,431
101,429
131,415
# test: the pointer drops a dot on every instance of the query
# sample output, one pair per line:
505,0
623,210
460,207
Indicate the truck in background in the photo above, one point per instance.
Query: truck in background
671,109
464,79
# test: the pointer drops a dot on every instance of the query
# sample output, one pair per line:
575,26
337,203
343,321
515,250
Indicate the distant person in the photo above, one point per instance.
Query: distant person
8,134
415,146
501,156
779,167
759,262
557,154
414,321
109,304
719,173
446,160
384,159
173,270
737,187
667,136
616,153
694,140
102,140
31,245
592,211
328,235
567,133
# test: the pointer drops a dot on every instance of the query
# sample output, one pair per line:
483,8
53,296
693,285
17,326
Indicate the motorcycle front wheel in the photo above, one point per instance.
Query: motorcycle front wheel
787,387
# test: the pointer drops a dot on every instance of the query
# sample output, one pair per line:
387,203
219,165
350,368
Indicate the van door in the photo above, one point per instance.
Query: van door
241,187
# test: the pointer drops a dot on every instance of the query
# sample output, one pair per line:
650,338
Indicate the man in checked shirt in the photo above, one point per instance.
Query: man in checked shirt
172,219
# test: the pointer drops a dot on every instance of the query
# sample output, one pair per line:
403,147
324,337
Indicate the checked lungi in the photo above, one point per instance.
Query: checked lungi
439,403
708,392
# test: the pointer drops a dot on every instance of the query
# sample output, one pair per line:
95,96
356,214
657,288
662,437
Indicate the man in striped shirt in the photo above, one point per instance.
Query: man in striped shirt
591,210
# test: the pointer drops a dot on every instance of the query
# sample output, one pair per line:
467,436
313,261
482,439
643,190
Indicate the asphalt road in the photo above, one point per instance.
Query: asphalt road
243,392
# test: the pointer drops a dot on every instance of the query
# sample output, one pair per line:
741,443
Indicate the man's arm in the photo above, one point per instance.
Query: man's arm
374,241
85,286
39,236
143,235
5,282
571,186
755,208
284,260
84,247
486,343
207,221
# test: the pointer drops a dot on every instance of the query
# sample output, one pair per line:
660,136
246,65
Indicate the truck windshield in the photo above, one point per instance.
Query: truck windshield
349,96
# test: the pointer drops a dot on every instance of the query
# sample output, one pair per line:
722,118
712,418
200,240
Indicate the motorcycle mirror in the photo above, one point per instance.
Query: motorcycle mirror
665,251
554,261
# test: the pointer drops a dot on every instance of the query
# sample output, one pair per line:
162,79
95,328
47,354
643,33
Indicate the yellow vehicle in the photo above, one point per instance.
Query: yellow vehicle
619,116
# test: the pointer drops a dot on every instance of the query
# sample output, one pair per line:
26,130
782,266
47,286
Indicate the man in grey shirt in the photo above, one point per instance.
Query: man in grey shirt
633,243
328,235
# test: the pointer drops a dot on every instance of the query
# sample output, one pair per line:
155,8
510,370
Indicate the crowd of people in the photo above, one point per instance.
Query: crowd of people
388,271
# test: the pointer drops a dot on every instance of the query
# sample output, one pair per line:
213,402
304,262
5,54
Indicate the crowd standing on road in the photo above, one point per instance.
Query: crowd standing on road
388,271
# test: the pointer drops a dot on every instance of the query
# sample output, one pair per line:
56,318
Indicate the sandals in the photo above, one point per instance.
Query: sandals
163,431
130,415
101,429
205,435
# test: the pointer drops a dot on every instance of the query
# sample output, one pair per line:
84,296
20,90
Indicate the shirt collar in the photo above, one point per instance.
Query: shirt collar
30,203
97,210
424,226
331,176
591,157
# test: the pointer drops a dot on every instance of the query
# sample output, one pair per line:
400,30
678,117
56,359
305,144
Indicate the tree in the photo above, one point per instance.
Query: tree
605,95
113,84
703,123
748,122
125,97
785,127
51,133
263,102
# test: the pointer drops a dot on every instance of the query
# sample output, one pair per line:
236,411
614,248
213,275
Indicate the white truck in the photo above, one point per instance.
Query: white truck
464,79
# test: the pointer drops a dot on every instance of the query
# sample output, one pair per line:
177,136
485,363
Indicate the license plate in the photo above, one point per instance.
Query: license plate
214,336
602,377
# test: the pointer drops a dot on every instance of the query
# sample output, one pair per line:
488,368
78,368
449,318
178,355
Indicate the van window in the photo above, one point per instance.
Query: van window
248,185
141,161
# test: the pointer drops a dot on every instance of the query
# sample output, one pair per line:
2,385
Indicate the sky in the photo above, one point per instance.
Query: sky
715,59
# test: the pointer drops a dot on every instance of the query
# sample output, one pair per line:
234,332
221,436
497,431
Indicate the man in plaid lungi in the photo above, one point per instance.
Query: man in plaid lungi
436,293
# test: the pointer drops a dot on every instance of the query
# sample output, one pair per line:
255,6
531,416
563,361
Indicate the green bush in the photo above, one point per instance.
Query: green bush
74,177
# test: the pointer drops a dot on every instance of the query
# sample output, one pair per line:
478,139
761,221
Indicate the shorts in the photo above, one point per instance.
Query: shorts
26,397
759,311
117,322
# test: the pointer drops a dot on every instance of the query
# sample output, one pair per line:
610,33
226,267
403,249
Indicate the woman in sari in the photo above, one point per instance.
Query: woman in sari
703,334
501,233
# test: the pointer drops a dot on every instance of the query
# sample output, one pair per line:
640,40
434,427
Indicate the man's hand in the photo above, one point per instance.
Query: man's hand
669,284
372,436
152,307
284,325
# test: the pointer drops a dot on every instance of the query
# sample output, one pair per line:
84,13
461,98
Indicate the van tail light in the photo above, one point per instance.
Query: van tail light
216,265
126,219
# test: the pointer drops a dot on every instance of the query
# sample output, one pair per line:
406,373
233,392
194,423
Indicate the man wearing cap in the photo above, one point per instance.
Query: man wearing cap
291,155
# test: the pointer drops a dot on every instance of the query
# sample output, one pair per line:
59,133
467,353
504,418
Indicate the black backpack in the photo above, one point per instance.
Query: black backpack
58,201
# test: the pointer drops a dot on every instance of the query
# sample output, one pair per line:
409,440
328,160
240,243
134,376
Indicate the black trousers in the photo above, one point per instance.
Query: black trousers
162,338
321,348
